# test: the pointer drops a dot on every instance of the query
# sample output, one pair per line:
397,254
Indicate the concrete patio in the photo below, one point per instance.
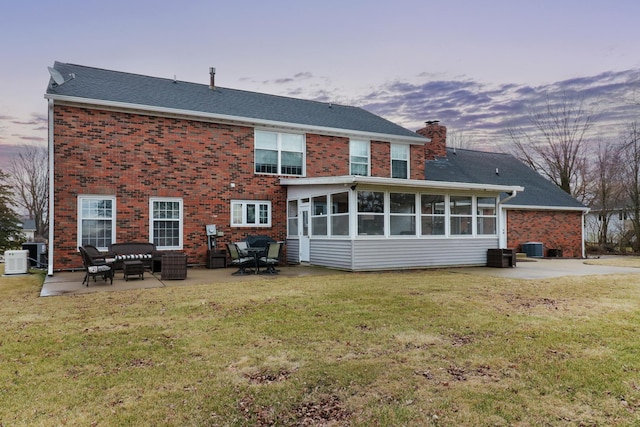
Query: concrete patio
62,283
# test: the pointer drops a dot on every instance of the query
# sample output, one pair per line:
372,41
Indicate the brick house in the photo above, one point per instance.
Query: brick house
139,158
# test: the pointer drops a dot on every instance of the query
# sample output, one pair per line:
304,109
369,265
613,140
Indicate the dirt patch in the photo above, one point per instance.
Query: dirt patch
327,410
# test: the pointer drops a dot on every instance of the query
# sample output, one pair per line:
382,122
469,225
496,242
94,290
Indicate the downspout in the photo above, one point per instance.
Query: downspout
51,194
503,219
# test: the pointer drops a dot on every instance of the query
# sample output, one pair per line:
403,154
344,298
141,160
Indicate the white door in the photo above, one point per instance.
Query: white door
303,231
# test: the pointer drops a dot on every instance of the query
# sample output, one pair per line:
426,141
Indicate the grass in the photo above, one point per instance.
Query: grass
373,349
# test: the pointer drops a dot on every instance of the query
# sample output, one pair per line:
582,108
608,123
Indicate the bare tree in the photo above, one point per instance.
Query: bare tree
554,144
631,178
29,175
606,190
458,139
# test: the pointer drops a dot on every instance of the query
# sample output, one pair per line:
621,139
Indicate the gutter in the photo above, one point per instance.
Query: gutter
397,182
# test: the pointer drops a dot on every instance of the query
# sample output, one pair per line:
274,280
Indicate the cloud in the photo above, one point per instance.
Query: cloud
488,110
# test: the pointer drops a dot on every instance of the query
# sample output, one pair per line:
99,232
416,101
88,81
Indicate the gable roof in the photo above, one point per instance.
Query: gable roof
480,167
125,90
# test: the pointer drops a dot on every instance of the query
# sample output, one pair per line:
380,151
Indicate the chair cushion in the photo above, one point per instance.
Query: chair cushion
98,268
124,257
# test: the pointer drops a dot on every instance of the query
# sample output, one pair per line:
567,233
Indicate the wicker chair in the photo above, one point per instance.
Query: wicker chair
242,262
93,267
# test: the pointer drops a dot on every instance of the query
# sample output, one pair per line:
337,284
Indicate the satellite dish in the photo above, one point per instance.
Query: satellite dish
56,76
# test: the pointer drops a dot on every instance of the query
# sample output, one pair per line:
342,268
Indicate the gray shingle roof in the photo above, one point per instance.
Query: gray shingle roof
113,86
480,167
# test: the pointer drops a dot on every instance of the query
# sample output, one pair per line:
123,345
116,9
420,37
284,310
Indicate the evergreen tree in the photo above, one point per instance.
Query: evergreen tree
10,230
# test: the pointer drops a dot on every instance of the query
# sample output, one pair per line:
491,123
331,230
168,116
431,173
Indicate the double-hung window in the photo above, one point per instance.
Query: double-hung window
96,221
359,152
165,226
250,213
399,161
279,153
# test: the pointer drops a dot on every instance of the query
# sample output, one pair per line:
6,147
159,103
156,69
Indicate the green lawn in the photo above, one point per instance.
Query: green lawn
383,349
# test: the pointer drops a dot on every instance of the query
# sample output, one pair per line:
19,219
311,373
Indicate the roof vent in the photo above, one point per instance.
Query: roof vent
212,81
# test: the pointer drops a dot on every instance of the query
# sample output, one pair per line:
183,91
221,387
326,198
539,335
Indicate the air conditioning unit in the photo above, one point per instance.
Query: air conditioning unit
16,262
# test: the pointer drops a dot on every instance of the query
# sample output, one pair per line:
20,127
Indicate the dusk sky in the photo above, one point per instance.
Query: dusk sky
473,65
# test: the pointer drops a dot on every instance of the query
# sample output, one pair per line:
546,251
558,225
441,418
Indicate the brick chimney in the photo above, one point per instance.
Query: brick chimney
438,135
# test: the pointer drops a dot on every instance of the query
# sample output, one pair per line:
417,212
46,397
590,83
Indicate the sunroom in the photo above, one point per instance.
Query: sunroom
362,223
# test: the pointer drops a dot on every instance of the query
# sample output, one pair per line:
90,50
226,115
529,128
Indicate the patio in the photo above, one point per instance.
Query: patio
67,282
62,283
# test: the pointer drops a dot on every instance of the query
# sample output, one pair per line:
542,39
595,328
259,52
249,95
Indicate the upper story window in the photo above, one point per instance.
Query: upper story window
279,153
165,227
250,213
359,153
399,161
96,221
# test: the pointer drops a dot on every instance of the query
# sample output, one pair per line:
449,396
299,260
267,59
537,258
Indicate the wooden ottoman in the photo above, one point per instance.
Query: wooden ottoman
133,267
174,267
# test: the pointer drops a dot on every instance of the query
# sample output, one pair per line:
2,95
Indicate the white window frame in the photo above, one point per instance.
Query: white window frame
179,220
81,217
280,148
352,153
242,220
400,152
481,216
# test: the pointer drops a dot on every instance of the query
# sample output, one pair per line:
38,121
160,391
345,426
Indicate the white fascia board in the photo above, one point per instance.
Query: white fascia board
224,118
396,182
544,208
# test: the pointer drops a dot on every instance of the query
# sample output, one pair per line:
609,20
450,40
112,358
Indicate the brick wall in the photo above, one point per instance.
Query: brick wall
556,230
135,157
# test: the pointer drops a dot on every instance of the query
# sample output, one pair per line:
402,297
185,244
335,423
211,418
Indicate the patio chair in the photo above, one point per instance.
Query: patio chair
95,268
95,254
271,258
242,262
242,248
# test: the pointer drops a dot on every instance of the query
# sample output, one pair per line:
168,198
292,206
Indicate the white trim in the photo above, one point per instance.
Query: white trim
544,208
244,203
349,180
51,189
80,217
228,119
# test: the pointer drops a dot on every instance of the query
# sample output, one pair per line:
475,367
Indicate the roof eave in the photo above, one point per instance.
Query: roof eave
546,208
199,115
396,182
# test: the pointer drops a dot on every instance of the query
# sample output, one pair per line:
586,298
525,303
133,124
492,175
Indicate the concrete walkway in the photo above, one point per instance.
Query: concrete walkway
71,282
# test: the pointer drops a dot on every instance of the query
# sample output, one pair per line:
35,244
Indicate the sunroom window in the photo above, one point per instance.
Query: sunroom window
461,215
432,208
402,216
370,213
486,219
340,214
